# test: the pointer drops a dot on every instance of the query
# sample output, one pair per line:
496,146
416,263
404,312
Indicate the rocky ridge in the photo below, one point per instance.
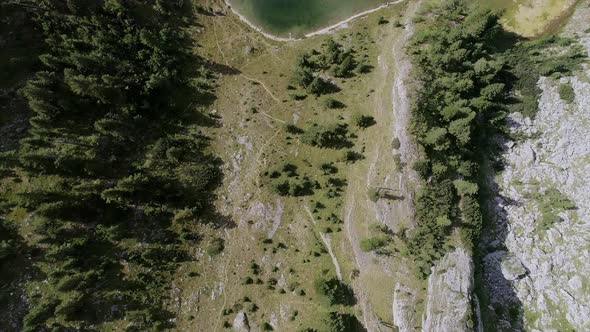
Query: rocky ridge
539,252
450,288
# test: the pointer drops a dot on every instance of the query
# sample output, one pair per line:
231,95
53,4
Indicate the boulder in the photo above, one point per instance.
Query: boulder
512,268
241,323
450,290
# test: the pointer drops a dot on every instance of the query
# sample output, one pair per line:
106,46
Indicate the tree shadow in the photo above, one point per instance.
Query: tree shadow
499,305
220,68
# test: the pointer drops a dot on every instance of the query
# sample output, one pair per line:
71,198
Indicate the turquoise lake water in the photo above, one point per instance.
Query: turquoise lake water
298,17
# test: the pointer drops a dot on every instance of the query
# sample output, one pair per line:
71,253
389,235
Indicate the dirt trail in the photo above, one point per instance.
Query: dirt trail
391,111
265,88
217,43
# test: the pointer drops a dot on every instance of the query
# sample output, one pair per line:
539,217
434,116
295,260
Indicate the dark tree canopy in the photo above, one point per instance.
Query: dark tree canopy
113,161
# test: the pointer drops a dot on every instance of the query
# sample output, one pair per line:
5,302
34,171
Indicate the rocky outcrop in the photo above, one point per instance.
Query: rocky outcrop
450,287
404,308
539,256
241,323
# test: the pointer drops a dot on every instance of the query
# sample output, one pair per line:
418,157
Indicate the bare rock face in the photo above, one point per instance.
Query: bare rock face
404,308
512,268
241,323
541,267
546,205
450,287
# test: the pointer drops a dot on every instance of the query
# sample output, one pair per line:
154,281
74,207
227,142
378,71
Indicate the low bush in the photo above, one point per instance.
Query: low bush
294,187
373,194
340,322
215,247
351,156
566,93
328,168
298,96
332,103
372,244
293,129
363,121
332,136
335,291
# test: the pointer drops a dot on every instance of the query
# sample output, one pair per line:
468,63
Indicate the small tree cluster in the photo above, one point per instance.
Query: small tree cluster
331,136
334,291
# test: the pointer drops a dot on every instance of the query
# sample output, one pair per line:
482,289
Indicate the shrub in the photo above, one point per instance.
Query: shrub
303,76
373,195
294,187
472,218
465,187
290,169
319,86
282,188
293,129
351,156
38,314
70,304
69,282
362,68
215,247
250,306
362,121
332,103
333,136
335,291
551,203
422,167
426,244
566,93
328,168
339,322
254,268
298,96
332,53
345,68
372,244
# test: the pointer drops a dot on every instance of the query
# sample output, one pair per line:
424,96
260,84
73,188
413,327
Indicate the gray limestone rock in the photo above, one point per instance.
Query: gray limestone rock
450,288
404,308
544,264
512,268
240,323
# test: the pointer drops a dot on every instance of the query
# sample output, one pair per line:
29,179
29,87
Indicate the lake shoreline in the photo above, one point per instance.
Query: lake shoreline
326,30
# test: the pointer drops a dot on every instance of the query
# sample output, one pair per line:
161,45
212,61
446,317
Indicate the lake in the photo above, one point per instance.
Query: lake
298,17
